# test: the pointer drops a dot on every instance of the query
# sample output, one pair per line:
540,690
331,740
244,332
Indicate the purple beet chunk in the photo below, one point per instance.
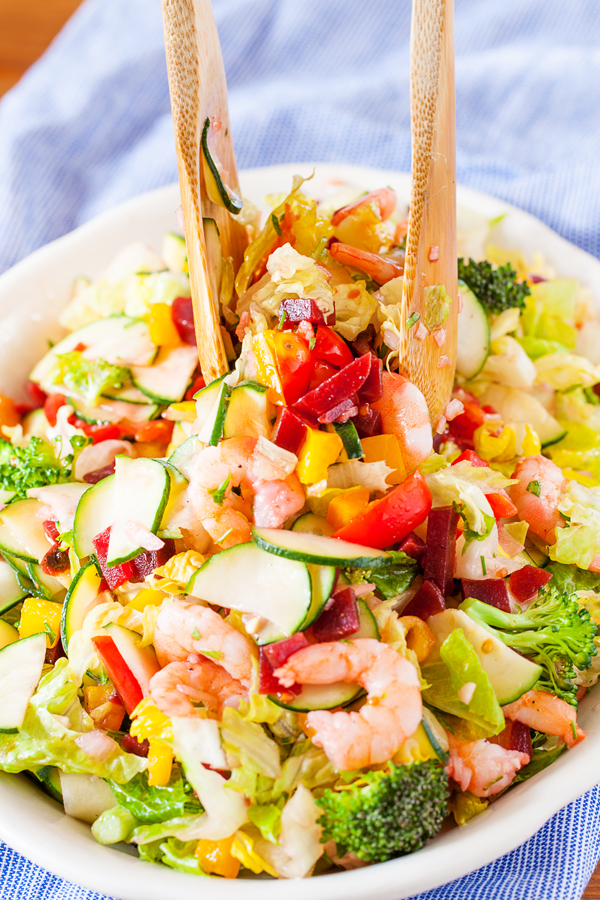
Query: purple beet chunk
492,591
338,620
372,389
428,601
413,546
302,309
368,425
520,738
438,562
280,651
98,474
147,561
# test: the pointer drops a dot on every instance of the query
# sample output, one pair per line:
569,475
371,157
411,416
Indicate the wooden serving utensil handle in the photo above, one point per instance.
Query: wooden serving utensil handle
199,90
428,360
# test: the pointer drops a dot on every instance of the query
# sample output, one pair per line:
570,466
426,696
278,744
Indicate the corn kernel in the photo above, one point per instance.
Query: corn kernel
38,616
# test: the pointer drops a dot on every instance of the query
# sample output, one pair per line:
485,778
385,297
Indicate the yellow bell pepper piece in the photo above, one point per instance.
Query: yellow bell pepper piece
147,721
347,506
215,857
319,450
385,448
97,694
160,763
263,347
146,597
181,412
162,328
243,849
580,478
499,448
531,442
418,635
38,616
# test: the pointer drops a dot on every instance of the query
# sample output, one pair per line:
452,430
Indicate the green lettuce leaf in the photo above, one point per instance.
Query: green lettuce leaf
571,579
248,746
391,580
173,853
550,311
158,831
456,666
537,347
578,543
539,761
267,819
306,765
157,804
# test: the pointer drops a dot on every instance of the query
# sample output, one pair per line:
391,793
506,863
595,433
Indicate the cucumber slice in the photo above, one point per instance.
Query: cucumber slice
19,567
322,580
175,513
211,431
85,797
45,586
82,596
20,670
368,625
251,581
167,379
141,492
8,634
11,590
309,523
350,439
113,411
214,255
51,783
473,341
35,424
518,408
29,541
174,252
248,412
183,455
510,673
317,548
93,515
127,394
320,696
142,661
436,735
218,192
119,340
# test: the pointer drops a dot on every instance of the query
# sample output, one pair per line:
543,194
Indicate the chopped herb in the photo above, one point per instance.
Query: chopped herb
218,494
412,320
214,654
282,319
223,536
483,567
51,634
196,635
276,225
312,342
535,487
574,729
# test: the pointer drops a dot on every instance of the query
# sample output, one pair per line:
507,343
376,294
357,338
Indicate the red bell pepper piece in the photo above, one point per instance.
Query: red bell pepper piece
428,601
197,385
341,386
37,394
51,530
294,364
321,372
52,404
492,591
368,424
329,347
471,457
526,582
438,563
156,430
114,575
126,684
183,318
413,546
279,652
464,426
338,620
372,389
502,505
301,309
289,430
387,521
99,433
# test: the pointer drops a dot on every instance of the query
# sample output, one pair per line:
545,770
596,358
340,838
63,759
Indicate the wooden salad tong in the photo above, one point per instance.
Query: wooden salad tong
428,357
201,119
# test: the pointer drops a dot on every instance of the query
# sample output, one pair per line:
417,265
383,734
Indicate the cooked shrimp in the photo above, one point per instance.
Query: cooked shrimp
381,268
391,714
276,501
196,680
404,413
538,494
384,199
546,713
482,768
183,628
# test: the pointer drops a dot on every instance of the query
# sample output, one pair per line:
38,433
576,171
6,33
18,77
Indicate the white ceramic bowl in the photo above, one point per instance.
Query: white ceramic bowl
31,295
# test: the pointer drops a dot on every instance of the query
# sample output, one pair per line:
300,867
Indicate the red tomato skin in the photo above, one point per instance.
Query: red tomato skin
502,505
126,684
331,348
295,364
51,406
471,457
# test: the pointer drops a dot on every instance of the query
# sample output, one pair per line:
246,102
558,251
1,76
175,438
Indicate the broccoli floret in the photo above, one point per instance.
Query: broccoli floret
553,631
496,289
386,813
35,465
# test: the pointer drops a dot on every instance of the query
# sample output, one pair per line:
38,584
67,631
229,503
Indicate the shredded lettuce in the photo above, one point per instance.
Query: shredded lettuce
173,853
248,746
569,578
354,309
267,819
578,543
566,370
550,311
537,347
509,364
449,487
150,804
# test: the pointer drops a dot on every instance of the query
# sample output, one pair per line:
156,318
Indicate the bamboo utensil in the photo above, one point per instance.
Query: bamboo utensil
199,91
429,359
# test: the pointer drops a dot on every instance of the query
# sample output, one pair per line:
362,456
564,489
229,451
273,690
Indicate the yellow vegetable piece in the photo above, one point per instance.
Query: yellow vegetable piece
177,439
263,347
531,442
385,448
580,478
319,450
465,806
149,722
419,636
215,857
38,616
417,748
347,506
499,448
146,597
160,763
242,848
162,328
181,412
97,694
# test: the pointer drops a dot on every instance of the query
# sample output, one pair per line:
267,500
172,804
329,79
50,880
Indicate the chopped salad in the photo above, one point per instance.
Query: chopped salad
287,623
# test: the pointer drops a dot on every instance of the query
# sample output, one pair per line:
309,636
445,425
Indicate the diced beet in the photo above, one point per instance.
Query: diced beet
438,562
302,309
98,474
492,591
515,736
413,546
51,530
428,601
365,340
280,651
53,654
146,562
289,430
115,576
130,744
372,389
338,620
535,279
369,424
182,313
267,683
56,561
341,386
526,582
471,456
343,408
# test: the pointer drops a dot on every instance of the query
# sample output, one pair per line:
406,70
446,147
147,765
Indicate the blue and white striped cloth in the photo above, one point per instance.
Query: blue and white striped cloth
89,126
